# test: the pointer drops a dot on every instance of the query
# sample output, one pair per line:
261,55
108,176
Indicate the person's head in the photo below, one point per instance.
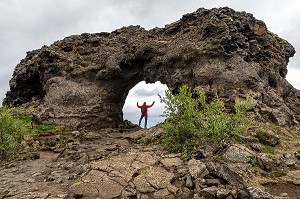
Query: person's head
144,103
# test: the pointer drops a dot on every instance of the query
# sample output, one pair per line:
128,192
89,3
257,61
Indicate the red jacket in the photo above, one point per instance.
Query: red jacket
147,106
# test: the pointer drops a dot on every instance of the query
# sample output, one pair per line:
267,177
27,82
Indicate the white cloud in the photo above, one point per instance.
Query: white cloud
143,90
293,75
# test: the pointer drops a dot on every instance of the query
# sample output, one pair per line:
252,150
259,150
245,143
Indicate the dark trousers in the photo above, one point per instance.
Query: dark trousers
146,118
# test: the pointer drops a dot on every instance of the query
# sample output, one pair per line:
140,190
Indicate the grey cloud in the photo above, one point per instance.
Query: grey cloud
5,75
293,37
294,62
3,90
147,93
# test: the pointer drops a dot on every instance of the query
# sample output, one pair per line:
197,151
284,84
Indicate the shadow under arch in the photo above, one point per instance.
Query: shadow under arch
143,92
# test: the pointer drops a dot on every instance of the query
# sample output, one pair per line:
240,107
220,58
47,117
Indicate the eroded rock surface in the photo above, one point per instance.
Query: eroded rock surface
83,80
111,164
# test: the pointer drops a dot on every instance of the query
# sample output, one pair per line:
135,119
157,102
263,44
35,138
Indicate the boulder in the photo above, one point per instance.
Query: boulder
197,169
209,192
223,193
266,163
230,176
290,159
189,181
292,177
257,193
268,137
239,154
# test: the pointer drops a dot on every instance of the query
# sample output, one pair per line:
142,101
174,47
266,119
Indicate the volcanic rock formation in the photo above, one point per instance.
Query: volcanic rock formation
83,80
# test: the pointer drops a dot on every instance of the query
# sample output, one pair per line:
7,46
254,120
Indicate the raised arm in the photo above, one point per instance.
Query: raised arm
151,104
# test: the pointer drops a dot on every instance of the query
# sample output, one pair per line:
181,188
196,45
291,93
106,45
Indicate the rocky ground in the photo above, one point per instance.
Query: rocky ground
83,80
113,163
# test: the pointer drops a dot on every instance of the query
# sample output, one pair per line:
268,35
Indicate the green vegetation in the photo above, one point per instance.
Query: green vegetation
191,118
14,125
43,127
268,149
262,136
144,170
280,173
146,140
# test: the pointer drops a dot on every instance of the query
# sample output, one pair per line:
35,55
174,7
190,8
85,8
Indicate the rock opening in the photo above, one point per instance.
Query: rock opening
143,92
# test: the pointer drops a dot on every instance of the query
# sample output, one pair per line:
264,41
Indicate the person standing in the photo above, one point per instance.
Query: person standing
144,112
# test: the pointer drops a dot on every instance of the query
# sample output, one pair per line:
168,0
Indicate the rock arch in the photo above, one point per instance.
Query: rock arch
84,79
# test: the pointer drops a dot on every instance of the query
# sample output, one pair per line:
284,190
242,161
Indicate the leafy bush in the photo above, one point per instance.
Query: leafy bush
190,118
180,128
12,127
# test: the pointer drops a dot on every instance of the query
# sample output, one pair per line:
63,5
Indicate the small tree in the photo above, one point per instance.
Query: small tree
190,118
180,128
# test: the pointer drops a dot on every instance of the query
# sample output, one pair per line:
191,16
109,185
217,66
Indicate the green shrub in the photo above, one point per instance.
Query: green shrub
12,127
180,128
190,118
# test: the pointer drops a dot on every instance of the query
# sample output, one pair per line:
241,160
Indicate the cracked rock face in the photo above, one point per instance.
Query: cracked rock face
83,80
125,175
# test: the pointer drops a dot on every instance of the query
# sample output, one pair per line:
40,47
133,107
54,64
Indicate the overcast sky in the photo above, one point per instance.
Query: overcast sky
29,24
